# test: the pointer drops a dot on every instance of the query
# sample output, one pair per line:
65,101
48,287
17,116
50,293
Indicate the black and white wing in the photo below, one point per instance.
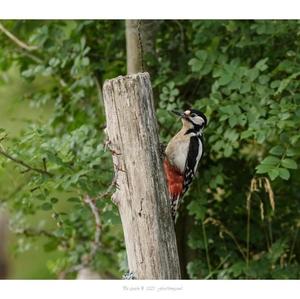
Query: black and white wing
194,156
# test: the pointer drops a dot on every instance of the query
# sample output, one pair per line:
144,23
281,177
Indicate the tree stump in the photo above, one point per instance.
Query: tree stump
141,194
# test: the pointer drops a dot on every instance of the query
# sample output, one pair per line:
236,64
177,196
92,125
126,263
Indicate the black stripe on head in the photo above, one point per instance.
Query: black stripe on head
201,114
191,116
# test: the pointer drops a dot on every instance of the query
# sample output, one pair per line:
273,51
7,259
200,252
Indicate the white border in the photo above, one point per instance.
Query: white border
150,9
219,289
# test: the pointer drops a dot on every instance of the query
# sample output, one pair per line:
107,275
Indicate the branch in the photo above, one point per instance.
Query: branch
99,91
17,41
109,189
27,166
92,204
30,232
86,259
30,55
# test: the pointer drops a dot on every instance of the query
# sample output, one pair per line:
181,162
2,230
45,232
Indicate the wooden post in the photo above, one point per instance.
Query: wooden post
141,194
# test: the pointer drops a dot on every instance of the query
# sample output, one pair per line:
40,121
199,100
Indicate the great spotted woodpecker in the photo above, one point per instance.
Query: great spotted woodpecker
183,154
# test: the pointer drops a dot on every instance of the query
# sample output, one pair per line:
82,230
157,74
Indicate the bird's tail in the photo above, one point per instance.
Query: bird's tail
175,201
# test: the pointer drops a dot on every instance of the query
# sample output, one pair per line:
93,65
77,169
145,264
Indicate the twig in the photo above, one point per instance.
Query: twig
109,189
248,206
30,55
86,260
99,91
293,245
92,204
224,229
45,164
27,166
218,267
30,232
206,247
17,41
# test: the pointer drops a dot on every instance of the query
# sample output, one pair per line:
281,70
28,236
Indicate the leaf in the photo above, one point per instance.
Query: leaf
277,150
246,134
219,179
273,173
285,82
51,245
227,109
85,61
284,173
263,168
46,206
225,79
54,200
233,121
291,152
289,163
73,199
253,74
270,160
227,150
261,64
198,209
246,87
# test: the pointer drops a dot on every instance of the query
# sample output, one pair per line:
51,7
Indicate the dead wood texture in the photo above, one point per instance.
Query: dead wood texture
141,194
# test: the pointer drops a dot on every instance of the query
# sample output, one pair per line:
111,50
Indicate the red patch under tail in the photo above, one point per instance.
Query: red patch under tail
174,179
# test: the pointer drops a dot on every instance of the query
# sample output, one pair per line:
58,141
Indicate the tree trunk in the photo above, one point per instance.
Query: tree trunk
141,194
133,47
140,41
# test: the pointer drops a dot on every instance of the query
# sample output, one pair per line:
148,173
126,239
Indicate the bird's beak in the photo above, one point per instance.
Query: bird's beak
181,114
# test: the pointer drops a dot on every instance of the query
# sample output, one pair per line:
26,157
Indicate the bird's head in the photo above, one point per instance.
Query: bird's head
192,119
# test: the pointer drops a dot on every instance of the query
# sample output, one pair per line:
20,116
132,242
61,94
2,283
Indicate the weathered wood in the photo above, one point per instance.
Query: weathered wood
141,194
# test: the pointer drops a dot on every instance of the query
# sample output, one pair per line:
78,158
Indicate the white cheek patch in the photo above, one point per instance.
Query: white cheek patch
198,120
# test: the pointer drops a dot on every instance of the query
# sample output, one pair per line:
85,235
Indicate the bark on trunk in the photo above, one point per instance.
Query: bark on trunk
133,47
140,41
141,194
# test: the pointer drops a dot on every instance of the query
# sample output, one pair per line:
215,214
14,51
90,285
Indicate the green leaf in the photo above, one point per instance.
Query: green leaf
273,173
284,173
253,74
270,160
277,150
233,121
225,79
246,87
263,168
54,200
289,163
219,179
291,152
246,134
198,209
73,199
46,206
227,150
261,64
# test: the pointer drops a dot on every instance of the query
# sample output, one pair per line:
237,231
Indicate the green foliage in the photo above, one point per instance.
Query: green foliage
244,75
70,144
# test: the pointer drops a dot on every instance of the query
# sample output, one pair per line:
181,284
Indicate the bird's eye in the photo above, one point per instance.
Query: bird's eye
193,114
